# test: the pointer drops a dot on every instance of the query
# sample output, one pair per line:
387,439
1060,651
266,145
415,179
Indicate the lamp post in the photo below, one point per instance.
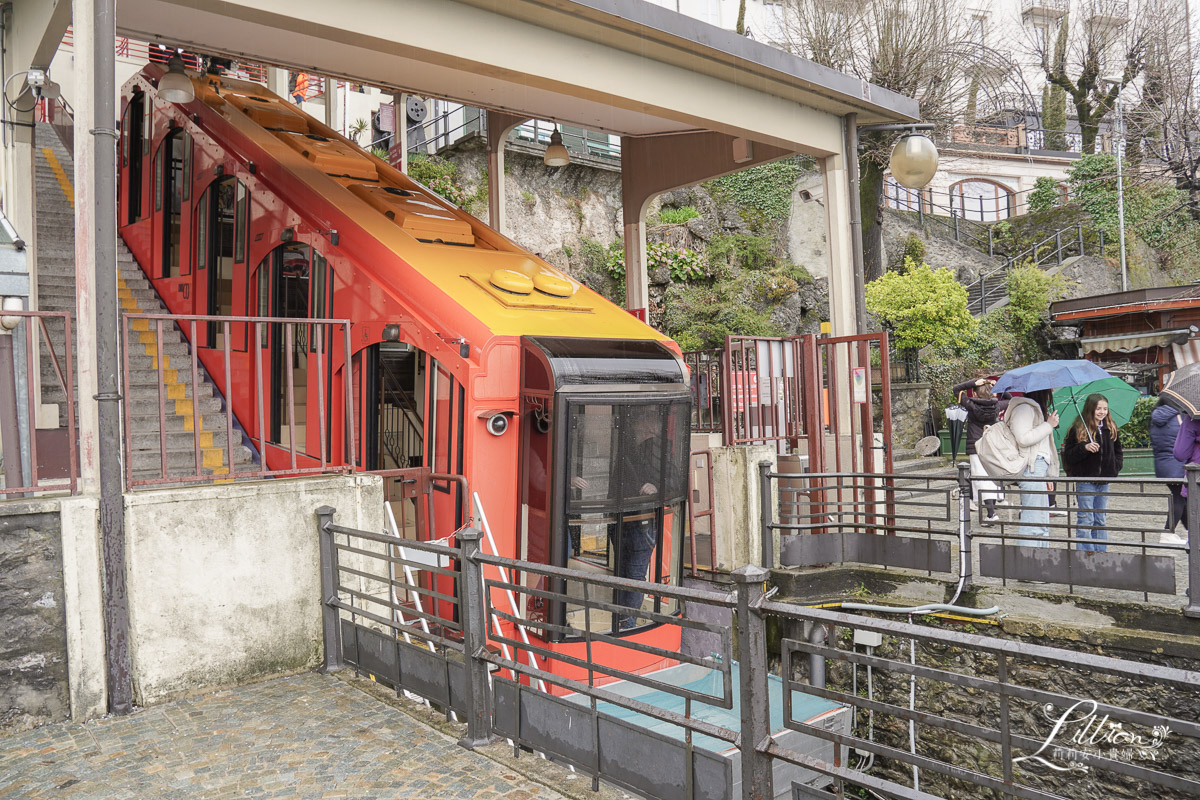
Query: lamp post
1119,148
913,163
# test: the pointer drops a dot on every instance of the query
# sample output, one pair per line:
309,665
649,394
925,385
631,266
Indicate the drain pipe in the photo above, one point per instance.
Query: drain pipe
112,508
816,663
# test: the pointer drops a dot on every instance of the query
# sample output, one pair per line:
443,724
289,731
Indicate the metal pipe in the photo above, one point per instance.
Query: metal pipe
9,424
850,126
112,508
816,663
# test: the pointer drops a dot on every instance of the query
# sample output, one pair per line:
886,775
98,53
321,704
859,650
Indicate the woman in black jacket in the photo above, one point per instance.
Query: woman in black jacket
1092,451
982,410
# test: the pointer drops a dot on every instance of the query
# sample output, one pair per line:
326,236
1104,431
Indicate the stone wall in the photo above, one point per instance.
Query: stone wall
1135,633
33,644
910,409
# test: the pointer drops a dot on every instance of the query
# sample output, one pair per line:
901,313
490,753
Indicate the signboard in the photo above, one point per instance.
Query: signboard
743,387
858,383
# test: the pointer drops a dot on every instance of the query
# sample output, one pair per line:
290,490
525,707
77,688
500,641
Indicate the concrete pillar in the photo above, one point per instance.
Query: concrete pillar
499,125
333,104
87,379
657,164
841,259
277,81
400,128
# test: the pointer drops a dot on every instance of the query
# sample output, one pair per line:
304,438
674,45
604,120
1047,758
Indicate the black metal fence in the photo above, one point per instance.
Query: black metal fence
967,528
943,713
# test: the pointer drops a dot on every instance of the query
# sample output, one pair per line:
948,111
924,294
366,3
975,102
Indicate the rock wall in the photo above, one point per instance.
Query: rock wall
1135,633
33,644
910,409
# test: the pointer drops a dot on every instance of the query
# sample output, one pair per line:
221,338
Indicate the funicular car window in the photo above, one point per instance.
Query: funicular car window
625,481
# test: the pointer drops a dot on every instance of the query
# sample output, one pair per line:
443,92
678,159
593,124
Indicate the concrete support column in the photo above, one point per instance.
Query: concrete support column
333,104
653,165
86,380
400,129
499,125
841,258
277,81
637,271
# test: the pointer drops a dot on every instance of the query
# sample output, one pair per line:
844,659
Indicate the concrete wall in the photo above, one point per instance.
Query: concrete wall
736,504
224,581
33,644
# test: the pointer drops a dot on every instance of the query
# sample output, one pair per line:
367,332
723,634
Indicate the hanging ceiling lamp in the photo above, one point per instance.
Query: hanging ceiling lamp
176,86
556,155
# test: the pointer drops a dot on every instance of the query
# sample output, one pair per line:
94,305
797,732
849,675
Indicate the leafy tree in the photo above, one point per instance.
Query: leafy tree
923,306
1045,195
1030,292
1081,57
1054,97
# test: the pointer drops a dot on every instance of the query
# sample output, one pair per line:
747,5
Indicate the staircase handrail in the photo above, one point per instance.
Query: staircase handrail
1062,245
407,408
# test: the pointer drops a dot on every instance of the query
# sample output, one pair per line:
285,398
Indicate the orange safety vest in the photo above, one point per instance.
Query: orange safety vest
301,83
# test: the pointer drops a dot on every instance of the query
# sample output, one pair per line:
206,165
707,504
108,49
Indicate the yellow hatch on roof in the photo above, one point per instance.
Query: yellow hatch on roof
268,113
517,281
329,155
417,214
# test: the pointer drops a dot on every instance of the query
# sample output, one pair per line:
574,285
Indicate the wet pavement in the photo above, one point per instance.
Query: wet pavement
303,736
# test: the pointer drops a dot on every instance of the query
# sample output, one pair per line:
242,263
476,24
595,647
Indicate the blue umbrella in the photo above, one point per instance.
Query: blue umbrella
1049,375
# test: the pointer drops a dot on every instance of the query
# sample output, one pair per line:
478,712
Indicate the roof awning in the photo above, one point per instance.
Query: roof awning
1132,342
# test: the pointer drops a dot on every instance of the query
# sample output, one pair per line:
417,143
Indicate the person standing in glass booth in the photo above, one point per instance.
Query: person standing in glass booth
637,461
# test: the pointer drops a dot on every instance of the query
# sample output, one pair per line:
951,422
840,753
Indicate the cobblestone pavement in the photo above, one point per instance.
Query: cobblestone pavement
304,736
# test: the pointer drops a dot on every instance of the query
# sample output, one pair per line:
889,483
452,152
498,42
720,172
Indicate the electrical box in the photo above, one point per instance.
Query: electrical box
867,638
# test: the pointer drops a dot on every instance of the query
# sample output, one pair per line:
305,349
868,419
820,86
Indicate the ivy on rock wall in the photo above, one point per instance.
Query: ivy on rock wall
762,193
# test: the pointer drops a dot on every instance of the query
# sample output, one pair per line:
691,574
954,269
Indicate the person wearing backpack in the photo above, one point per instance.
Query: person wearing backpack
1092,450
1033,431
982,411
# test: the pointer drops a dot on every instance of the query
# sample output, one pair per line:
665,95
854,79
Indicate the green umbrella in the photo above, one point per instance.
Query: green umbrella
1069,400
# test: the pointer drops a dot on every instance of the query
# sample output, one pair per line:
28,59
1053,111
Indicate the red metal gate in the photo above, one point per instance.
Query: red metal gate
828,399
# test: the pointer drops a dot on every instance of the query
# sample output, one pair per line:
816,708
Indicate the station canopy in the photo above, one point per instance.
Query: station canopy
622,66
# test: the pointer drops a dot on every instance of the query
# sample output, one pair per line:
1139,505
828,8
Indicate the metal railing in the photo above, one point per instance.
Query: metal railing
188,449
445,129
992,286
928,525
36,459
706,370
702,520
61,116
992,714
139,50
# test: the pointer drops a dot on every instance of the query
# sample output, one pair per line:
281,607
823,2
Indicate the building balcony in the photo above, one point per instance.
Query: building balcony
1044,9
1108,13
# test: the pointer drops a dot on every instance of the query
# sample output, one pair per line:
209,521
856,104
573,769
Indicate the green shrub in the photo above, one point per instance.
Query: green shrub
1136,432
437,173
914,251
698,316
677,216
1045,195
923,306
684,264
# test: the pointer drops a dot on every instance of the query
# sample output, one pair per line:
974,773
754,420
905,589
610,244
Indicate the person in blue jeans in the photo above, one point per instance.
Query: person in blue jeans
1033,431
1092,452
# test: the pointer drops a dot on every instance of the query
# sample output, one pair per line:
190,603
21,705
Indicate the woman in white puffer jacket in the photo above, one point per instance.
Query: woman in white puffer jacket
1033,430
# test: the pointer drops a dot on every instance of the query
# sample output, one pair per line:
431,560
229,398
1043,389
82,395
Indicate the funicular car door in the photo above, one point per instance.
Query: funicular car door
291,283
604,448
172,221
